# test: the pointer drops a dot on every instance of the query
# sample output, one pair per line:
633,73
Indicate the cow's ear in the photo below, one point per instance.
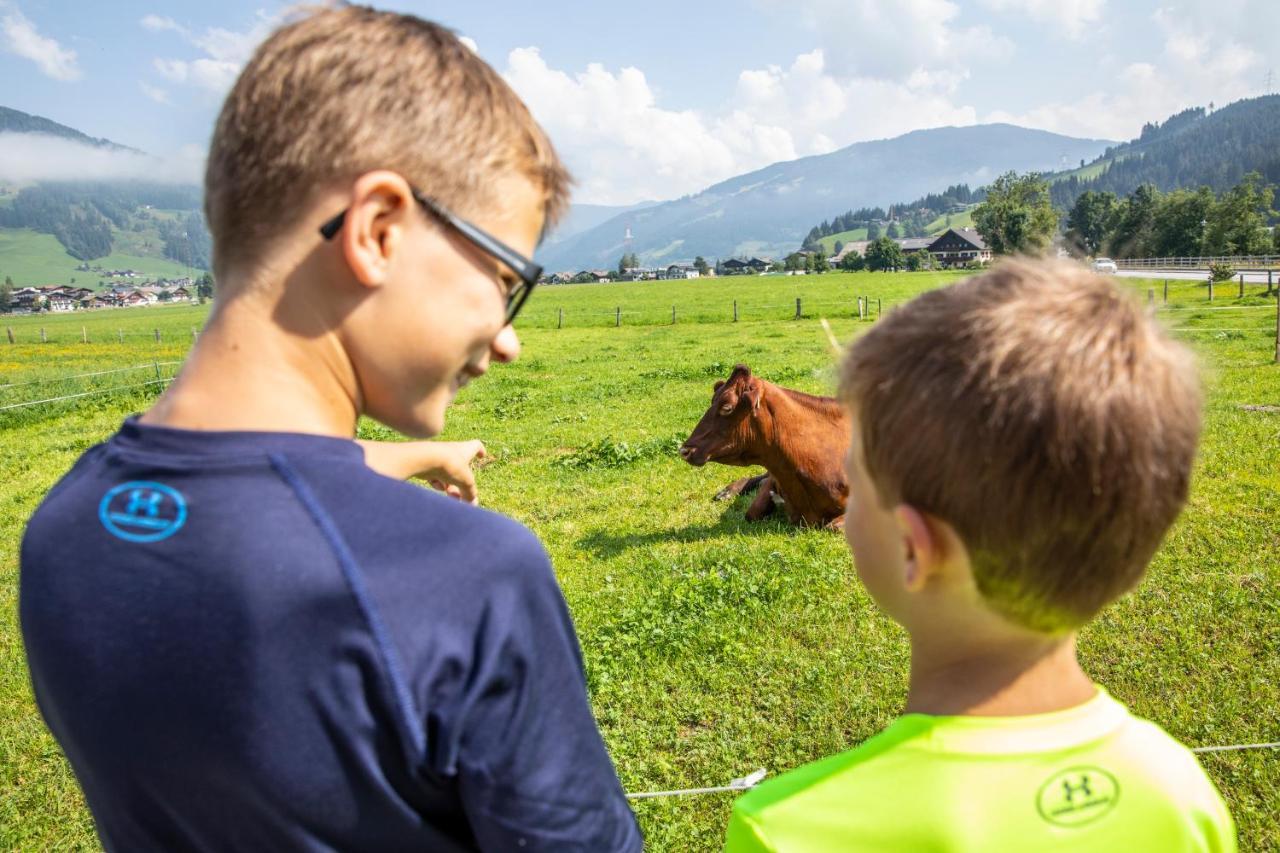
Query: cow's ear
719,384
755,393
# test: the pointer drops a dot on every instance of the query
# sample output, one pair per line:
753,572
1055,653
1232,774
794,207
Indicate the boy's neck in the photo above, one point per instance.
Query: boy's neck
248,373
1011,677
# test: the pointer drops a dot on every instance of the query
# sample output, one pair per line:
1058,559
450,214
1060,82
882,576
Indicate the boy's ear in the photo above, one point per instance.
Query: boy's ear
375,224
921,554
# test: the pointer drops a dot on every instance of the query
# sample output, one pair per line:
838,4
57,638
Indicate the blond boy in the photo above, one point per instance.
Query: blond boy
1022,441
241,635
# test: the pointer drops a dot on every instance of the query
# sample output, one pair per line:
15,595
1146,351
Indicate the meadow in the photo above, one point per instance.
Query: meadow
713,646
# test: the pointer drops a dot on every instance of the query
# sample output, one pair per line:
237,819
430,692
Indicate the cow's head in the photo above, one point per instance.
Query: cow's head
727,432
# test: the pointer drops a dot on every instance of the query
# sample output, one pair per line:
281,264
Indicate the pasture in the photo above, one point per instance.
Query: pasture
713,646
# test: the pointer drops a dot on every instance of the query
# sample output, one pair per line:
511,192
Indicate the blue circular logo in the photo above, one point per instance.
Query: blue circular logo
142,511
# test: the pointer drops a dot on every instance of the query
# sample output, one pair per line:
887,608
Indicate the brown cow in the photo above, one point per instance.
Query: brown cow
801,440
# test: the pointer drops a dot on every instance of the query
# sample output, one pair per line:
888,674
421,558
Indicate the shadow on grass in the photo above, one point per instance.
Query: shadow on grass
732,523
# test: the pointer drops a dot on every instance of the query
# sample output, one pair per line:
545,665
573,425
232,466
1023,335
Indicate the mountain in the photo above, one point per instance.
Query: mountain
1191,149
770,210
16,121
584,217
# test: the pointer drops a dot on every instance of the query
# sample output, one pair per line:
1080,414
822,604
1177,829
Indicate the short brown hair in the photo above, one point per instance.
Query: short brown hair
343,91
1039,411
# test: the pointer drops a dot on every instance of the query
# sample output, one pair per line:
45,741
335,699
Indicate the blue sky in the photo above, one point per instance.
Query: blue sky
656,99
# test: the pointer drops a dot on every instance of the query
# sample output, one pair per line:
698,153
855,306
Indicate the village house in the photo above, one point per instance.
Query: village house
959,246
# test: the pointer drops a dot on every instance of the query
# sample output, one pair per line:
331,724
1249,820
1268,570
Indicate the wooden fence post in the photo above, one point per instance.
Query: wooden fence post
617,316
10,331
1166,291
120,335
193,334
1278,327
735,310
797,307
673,315
877,306
1210,288
156,365
157,336
84,335
44,339
1242,285
560,322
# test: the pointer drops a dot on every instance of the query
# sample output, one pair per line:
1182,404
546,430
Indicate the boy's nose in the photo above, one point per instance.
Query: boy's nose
506,346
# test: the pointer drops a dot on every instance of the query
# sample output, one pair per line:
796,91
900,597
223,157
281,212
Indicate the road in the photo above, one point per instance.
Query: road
1193,275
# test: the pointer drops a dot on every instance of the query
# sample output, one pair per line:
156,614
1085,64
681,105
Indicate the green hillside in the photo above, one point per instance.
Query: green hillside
950,220
31,258
829,243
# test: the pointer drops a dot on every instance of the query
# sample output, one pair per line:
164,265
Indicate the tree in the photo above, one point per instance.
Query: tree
628,261
893,231
883,254
1088,219
164,296
873,231
839,247
1237,223
852,262
6,294
920,260
1275,240
1133,227
1017,215
1179,223
794,262
204,286
820,262
700,264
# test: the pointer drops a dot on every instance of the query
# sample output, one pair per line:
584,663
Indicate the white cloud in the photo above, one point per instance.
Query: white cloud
29,157
1071,17
22,39
224,51
470,43
155,93
1205,57
892,41
624,146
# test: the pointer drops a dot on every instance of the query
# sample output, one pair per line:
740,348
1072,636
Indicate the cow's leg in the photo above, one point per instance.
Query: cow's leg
763,504
740,487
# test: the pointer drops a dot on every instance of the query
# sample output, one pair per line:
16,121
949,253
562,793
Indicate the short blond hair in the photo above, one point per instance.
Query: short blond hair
1044,415
343,91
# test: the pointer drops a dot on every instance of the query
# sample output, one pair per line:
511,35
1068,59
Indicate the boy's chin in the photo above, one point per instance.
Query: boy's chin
423,421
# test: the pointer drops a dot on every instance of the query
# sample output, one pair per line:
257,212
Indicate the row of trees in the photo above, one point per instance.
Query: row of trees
910,219
1018,216
1181,223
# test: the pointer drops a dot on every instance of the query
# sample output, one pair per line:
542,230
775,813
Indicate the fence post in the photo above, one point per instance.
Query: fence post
84,335
193,334
157,336
44,339
156,365
797,307
1269,274
1151,296
673,315
560,322
1211,288
1166,291
1242,285
877,306
120,335
735,310
617,316
1278,327
10,331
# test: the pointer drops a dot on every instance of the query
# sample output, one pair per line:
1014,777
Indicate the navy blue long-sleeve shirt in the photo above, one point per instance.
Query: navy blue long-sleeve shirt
253,641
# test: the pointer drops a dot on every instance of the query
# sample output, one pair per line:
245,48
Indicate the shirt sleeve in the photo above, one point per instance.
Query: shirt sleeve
745,836
533,772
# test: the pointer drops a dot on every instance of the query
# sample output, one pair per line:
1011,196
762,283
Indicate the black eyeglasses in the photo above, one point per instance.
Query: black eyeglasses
526,269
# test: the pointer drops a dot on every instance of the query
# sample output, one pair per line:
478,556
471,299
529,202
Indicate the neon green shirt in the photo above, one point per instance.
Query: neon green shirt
1093,777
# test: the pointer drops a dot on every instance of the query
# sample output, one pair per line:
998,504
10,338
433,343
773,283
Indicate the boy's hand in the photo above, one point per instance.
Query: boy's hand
444,464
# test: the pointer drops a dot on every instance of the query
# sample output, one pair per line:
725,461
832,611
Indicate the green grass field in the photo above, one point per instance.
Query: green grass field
714,646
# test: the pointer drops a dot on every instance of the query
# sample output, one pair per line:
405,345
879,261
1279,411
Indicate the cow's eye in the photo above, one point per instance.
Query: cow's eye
726,409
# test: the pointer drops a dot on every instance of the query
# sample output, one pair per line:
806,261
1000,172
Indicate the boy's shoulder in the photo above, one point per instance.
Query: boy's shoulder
1088,778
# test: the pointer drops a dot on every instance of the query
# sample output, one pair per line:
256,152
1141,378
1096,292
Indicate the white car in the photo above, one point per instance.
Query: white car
1104,265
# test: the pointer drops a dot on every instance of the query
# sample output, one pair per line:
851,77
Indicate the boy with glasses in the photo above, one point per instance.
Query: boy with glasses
242,636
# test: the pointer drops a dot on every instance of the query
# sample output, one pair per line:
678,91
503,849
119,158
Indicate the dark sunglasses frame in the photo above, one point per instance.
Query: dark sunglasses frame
526,269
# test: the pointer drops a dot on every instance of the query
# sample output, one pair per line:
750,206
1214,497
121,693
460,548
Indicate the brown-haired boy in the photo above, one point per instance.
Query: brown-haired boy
242,636
1021,442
